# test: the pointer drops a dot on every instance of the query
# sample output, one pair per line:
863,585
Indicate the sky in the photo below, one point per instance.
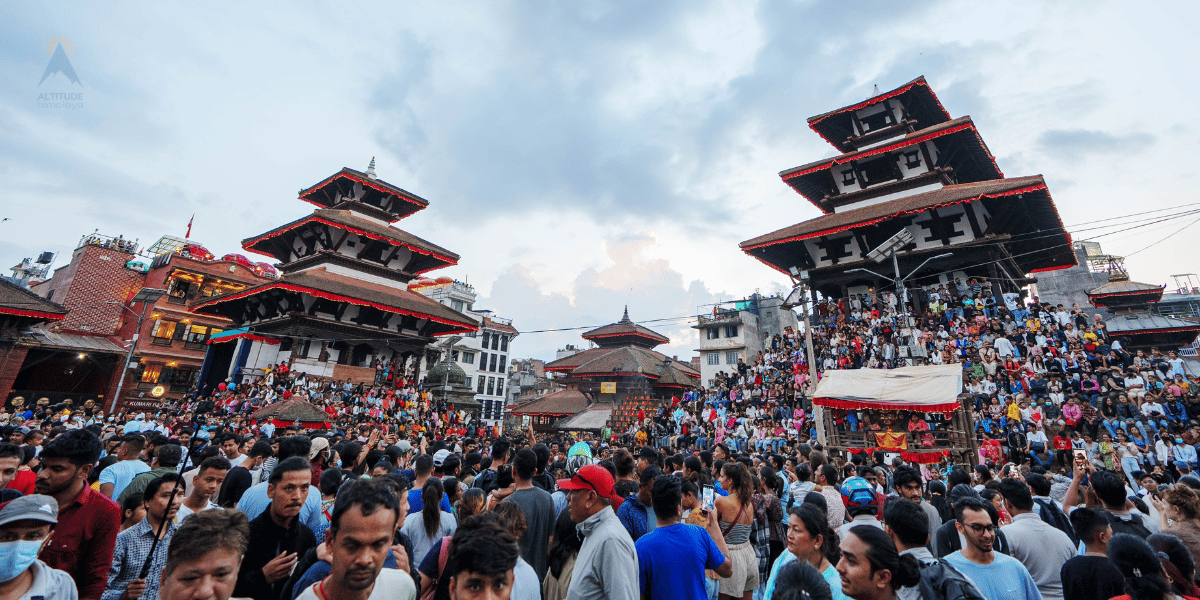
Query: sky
579,156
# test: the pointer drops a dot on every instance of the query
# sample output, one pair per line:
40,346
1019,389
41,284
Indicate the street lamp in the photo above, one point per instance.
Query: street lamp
145,296
892,247
800,279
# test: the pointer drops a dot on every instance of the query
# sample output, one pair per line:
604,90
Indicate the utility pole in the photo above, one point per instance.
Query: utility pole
800,281
145,296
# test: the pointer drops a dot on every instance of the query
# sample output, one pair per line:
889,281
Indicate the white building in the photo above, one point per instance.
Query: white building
735,330
483,356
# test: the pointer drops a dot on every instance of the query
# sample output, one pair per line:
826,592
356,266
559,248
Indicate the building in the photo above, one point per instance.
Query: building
342,305
1131,316
913,183
1069,287
483,356
20,312
608,384
733,331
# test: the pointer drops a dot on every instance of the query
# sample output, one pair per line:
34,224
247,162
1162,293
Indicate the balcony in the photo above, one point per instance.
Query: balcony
200,345
177,299
161,341
720,317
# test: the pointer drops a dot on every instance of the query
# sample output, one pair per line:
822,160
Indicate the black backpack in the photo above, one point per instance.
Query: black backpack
1055,517
1133,526
941,581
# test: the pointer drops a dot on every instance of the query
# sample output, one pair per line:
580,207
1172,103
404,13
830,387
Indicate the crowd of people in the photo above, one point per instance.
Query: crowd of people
1082,487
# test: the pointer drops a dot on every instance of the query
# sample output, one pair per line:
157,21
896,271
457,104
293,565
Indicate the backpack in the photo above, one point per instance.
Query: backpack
1133,526
941,581
1055,517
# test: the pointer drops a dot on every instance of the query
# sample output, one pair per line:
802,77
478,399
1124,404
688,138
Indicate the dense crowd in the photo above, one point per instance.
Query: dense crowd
1083,487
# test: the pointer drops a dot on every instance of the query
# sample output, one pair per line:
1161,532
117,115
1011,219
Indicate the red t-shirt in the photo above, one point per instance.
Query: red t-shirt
1062,443
25,482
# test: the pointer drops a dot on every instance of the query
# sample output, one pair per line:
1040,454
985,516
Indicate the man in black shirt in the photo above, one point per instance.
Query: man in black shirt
277,537
1091,575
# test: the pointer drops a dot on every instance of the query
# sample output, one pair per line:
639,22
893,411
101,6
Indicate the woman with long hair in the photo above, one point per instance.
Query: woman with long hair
735,516
1141,567
871,568
471,503
1179,509
1178,564
431,524
768,504
809,540
563,551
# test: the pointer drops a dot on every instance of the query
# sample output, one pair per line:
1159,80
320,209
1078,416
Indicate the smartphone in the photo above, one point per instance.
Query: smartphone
1080,458
708,496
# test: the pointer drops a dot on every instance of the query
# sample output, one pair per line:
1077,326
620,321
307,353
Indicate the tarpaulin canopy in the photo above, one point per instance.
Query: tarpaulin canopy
285,413
931,389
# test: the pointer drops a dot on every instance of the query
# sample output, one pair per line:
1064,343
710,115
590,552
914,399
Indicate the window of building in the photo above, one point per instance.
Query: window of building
878,120
454,356
877,171
499,386
731,357
491,389
468,358
483,361
731,331
848,177
482,381
164,332
912,159
456,305
504,343
485,340
502,358
468,381
198,334
151,372
714,358
50,295
492,368
713,333
495,341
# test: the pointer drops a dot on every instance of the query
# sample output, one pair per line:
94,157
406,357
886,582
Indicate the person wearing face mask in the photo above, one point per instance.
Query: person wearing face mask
25,526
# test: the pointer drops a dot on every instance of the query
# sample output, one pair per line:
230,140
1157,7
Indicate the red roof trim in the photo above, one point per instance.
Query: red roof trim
367,182
616,374
920,81
1164,330
311,218
336,298
1133,293
824,165
856,405
1024,190
31,313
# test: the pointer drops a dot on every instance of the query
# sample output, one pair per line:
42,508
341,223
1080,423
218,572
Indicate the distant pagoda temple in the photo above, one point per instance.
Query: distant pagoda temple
342,304
906,164
607,385
1133,320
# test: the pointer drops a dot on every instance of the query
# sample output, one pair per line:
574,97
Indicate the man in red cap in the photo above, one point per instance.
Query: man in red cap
607,565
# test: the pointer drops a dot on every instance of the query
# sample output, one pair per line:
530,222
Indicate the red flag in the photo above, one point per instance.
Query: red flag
189,231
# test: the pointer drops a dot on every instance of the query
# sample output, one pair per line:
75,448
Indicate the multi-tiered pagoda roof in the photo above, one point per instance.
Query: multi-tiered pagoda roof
345,270
906,164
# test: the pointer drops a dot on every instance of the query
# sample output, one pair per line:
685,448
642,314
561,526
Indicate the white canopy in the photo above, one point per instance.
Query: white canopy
933,388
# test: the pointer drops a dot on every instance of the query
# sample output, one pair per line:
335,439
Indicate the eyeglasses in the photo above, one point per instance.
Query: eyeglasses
977,528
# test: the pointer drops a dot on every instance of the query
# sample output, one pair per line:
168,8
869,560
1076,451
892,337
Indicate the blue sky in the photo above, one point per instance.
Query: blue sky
580,156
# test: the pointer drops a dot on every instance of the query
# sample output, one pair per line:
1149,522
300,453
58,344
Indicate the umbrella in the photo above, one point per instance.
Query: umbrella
285,413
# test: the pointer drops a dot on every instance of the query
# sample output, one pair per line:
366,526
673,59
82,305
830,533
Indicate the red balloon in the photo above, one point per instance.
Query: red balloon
221,386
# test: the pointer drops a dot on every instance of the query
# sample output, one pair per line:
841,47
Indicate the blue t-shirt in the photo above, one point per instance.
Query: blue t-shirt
1005,579
415,504
120,474
672,559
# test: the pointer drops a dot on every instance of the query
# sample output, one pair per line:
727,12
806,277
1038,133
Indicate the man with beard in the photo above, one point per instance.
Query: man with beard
359,537
277,537
83,541
998,576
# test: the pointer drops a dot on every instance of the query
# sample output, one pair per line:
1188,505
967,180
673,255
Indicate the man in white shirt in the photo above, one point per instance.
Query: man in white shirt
205,484
231,446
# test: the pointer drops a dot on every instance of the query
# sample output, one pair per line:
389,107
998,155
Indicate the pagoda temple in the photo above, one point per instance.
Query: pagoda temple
342,304
1132,319
608,384
904,163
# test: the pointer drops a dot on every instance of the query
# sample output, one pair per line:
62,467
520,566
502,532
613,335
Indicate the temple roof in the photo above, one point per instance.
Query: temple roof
567,363
629,360
625,332
20,302
324,284
1135,324
1049,249
920,103
814,182
356,190
565,402
593,419
430,256
491,324
1125,293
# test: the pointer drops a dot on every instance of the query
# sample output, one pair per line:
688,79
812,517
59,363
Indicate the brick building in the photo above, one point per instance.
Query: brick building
20,311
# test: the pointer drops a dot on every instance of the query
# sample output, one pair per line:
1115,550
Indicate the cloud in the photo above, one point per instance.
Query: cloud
1077,144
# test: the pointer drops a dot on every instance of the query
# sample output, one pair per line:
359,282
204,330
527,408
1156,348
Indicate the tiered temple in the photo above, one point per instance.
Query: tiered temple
1133,320
342,302
608,384
906,164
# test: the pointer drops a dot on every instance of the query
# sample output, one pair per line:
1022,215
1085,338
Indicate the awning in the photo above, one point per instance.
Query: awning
933,388
241,332
73,342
